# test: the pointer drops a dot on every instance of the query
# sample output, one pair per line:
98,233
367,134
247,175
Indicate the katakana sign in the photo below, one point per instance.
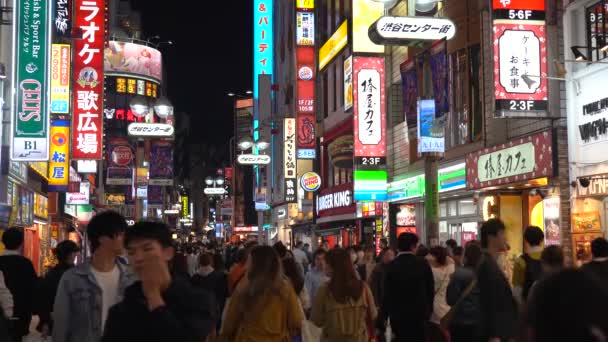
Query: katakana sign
516,161
253,159
89,16
411,30
305,28
150,130
60,78
62,19
30,124
289,159
262,40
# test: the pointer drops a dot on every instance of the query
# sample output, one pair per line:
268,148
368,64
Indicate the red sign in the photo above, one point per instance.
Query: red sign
535,5
305,79
369,113
306,130
89,16
336,201
122,155
245,229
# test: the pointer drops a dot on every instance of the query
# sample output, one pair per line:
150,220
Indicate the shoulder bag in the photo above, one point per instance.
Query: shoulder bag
446,320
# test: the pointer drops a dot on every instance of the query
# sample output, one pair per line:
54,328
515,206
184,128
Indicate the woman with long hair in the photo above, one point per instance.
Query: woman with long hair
292,272
344,307
264,306
443,267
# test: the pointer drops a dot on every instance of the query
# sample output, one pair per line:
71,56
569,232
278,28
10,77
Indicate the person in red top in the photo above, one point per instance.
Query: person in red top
237,272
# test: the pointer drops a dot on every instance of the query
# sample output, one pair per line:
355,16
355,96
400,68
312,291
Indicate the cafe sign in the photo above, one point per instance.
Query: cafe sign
516,161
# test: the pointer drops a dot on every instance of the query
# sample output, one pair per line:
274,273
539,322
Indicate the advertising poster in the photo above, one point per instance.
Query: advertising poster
439,75
59,163
305,28
60,78
369,115
306,131
161,163
30,124
551,210
87,141
155,194
348,83
586,222
132,59
120,159
409,78
430,130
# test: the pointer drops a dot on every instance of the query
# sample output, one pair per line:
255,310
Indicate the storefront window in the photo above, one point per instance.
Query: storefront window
596,30
443,209
452,208
467,207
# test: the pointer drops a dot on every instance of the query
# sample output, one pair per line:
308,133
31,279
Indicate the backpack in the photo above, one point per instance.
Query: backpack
532,273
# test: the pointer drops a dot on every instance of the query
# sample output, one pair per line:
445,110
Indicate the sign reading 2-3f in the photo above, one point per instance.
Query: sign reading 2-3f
30,124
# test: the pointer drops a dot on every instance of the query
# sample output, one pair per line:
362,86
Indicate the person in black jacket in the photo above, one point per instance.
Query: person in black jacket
211,280
21,280
598,266
408,293
498,307
159,307
65,252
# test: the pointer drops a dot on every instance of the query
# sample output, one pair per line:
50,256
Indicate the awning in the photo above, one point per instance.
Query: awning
343,217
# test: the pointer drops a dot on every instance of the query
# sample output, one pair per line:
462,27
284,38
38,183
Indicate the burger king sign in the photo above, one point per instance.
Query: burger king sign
310,181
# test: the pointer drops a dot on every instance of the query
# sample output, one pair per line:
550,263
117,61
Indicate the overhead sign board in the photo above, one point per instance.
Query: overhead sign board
253,159
411,30
81,197
334,45
214,191
150,130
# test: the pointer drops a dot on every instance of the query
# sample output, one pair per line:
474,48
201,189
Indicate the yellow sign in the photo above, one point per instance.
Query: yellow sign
42,168
185,206
60,78
334,45
305,4
365,13
41,206
59,163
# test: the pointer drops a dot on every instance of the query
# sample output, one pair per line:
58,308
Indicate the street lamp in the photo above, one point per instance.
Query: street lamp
139,106
163,107
245,143
233,94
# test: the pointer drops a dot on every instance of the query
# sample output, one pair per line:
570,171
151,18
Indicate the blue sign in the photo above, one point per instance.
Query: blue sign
307,153
431,137
262,41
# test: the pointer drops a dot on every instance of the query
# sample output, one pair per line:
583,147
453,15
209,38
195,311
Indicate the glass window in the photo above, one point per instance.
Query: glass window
467,207
443,209
452,208
597,31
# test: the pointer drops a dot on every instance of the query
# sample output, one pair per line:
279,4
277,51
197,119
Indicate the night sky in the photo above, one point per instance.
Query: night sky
199,81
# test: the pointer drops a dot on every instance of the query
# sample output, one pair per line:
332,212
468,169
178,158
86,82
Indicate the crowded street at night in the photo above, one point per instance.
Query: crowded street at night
303,171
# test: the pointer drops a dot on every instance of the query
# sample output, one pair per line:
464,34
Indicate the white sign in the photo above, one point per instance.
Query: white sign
305,28
87,166
290,154
69,210
214,191
509,162
348,83
150,130
370,109
81,197
519,55
336,200
171,212
253,159
395,30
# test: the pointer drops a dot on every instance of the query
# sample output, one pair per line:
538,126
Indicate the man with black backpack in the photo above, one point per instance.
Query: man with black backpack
527,268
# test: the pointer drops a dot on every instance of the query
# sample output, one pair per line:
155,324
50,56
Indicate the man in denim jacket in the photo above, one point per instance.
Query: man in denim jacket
86,293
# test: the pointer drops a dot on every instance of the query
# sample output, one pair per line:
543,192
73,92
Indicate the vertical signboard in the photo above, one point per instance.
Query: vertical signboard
59,162
31,45
89,16
289,159
348,83
439,76
262,40
520,58
60,78
62,18
161,163
369,117
306,123
431,136
305,28
409,78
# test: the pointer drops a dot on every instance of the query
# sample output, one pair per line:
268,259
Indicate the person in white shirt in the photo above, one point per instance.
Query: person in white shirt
300,256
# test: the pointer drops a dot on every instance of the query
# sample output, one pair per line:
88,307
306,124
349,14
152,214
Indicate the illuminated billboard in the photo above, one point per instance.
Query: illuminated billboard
334,45
262,41
365,13
122,58
60,78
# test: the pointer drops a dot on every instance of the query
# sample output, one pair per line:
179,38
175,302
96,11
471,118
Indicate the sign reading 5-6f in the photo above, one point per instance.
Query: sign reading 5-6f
30,124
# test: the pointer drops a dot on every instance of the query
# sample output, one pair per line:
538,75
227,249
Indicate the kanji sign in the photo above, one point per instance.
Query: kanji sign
150,130
305,4
89,16
60,78
62,19
305,28
30,124
370,113
516,161
262,40
289,159
411,30
59,162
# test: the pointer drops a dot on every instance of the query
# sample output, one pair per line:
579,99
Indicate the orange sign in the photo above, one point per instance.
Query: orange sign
586,222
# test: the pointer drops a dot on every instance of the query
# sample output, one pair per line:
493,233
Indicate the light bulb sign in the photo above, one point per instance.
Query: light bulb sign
411,31
150,130
253,159
520,58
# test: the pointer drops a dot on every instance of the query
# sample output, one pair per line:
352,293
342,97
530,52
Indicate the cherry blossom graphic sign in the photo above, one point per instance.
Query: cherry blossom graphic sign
516,161
89,16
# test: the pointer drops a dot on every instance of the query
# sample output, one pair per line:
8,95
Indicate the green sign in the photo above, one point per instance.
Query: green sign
30,110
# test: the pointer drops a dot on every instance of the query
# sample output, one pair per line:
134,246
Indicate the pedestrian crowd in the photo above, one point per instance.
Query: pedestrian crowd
246,292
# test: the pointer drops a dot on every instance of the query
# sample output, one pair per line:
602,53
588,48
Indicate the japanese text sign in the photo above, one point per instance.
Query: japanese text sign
305,28
89,16
31,34
59,162
289,131
290,190
516,161
262,40
60,78
62,17
411,30
305,79
370,113
348,83
81,197
431,137
150,130
305,5
519,9
365,13
334,45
